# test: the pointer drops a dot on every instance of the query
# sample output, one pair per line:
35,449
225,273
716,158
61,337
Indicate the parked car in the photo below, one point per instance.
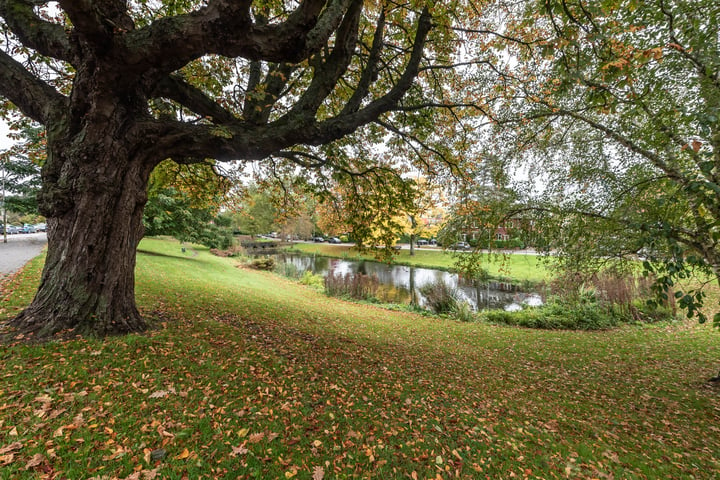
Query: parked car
28,229
41,227
460,246
318,239
12,229
421,242
334,240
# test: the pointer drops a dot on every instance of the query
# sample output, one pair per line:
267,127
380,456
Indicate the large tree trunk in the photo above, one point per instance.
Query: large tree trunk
93,199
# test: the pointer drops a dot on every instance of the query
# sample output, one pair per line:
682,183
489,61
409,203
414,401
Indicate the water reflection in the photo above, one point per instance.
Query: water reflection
401,284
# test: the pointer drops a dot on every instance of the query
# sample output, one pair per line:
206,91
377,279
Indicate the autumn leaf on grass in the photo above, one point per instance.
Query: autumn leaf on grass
56,413
142,475
161,393
256,437
11,448
36,460
238,451
318,473
185,454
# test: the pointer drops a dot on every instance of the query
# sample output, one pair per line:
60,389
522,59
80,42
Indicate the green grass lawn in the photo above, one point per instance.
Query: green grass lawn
249,375
518,267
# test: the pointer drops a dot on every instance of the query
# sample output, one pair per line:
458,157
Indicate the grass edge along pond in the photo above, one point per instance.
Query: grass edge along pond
252,376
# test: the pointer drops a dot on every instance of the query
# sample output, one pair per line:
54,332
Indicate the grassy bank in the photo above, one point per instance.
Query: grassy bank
251,376
517,267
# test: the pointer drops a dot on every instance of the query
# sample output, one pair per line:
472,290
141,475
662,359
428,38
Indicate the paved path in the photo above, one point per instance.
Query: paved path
19,249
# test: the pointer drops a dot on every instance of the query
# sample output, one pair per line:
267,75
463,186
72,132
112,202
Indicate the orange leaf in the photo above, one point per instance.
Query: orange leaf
185,454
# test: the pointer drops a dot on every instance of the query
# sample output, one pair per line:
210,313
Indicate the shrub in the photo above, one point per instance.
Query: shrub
310,279
440,297
232,251
464,312
354,285
583,315
555,316
265,263
618,292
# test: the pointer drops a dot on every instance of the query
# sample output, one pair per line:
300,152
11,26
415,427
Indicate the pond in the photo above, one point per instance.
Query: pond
401,284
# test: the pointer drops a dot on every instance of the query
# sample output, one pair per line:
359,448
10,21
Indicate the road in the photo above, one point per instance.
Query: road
19,249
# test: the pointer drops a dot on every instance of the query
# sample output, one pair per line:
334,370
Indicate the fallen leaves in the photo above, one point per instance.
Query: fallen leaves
10,448
256,437
139,475
279,397
318,473
7,453
162,393
37,460
183,455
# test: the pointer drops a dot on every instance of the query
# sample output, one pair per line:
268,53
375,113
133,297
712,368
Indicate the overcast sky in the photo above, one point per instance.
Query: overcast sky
5,142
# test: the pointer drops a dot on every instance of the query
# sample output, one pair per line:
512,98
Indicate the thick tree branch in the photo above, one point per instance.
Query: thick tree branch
370,72
254,77
256,141
225,27
87,20
343,124
34,97
336,64
177,89
258,107
44,37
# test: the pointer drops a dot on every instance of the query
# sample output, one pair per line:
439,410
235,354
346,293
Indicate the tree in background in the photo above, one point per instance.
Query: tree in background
300,226
256,213
614,107
20,175
428,213
184,202
122,85
373,210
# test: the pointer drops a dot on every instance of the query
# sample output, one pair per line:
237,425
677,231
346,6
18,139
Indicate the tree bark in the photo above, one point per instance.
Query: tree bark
94,209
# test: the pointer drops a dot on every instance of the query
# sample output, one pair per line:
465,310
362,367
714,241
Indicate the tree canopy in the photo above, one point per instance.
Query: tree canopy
306,86
614,109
